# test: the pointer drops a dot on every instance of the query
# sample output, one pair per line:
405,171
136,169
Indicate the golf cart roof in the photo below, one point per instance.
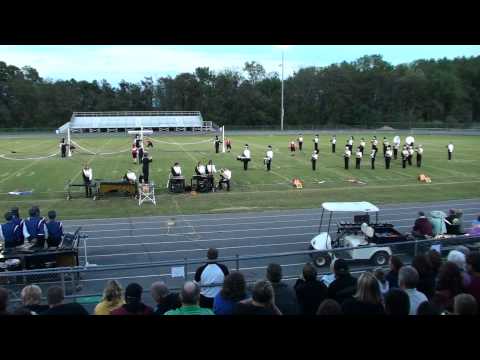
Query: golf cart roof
361,206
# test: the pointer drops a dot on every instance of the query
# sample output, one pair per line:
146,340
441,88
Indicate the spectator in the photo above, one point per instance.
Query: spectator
164,299
55,298
459,259
392,276
345,285
463,249
449,285
3,301
310,292
475,230
261,303
473,264
407,280
112,299
367,300
435,260
465,304
285,298
234,290
382,281
397,302
208,274
329,307
426,278
190,298
422,226
437,219
133,302
32,299
427,308
454,222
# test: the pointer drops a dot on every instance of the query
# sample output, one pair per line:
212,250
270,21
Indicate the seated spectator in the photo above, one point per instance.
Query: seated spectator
435,260
382,281
285,298
345,285
397,302
422,226
190,298
208,274
133,302
367,300
112,299
475,229
437,219
55,298
459,259
449,285
465,304
426,278
310,292
392,276
32,299
408,279
261,303
3,301
473,264
164,299
427,308
234,290
329,307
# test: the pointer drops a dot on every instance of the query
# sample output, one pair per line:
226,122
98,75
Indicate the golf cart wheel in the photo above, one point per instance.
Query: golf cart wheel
322,260
380,258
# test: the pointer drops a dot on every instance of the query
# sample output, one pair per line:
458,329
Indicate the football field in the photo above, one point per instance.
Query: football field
29,163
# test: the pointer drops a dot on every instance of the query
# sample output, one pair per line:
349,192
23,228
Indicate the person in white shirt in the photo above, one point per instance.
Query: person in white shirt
419,151
450,150
333,140
130,177
385,144
314,160
410,155
404,156
225,177
388,157
211,171
300,142
315,142
346,156
268,157
373,155
176,170
407,280
396,146
362,145
358,158
374,143
245,157
200,169
350,143
87,174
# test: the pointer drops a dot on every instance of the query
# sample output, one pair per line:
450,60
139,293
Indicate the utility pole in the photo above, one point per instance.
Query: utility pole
282,109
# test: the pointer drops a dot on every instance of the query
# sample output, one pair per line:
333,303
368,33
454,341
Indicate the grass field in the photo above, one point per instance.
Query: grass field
252,190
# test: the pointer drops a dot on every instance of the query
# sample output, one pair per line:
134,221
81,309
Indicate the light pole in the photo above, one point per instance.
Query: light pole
282,109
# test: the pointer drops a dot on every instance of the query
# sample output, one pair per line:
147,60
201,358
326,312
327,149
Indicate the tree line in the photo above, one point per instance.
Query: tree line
364,93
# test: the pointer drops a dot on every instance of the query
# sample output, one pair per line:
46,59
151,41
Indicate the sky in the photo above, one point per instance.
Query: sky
134,62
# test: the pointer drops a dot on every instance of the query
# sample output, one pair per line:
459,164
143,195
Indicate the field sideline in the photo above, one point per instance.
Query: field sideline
251,191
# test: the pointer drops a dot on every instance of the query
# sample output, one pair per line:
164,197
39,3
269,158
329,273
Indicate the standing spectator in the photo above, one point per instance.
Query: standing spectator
422,226
437,219
209,274
329,307
465,304
392,276
3,301
435,260
459,258
473,264
397,302
310,292
133,302
285,298
449,285
382,281
164,299
345,285
261,303
234,290
407,280
367,300
454,222
112,299
426,278
32,299
190,298
55,298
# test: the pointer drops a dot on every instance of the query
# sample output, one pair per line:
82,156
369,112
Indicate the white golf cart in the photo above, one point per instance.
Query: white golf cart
361,236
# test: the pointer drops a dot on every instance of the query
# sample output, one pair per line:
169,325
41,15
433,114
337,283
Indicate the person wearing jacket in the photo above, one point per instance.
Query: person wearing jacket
133,302
437,219
285,298
310,291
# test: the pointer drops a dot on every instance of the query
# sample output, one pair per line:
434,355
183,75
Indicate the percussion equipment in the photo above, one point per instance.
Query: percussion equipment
176,184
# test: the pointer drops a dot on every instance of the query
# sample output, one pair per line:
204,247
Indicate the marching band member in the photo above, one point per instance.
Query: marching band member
19,223
134,153
200,169
410,140
300,142
87,174
34,228
396,146
130,177
419,151
268,158
8,232
410,155
346,156
228,142
350,143
245,157
362,145
358,158
176,170
373,154
146,160
388,157
217,144
385,144
450,150
292,146
374,143
333,140
63,148
55,230
211,171
225,177
314,159
404,156
141,153
315,142
137,141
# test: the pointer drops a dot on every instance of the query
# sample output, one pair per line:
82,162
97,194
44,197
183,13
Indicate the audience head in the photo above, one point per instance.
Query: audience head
450,278
3,300
421,264
52,214
465,304
368,289
379,274
427,308
395,263
309,272
458,258
234,286
15,212
133,293
408,277
473,262
113,291
190,294
397,302
435,260
55,296
340,268
31,295
463,249
274,273
159,291
212,254
262,292
421,213
329,307
8,216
